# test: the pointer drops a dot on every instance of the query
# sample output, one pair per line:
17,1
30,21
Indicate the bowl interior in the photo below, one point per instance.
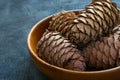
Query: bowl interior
36,33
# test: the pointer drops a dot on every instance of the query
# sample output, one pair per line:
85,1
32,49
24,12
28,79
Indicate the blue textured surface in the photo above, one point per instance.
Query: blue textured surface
16,19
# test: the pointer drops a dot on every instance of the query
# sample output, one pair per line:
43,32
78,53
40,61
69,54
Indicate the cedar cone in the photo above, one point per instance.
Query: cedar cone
97,19
105,53
58,51
60,20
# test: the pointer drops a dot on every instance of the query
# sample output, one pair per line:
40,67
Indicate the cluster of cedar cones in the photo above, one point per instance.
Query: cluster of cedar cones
93,31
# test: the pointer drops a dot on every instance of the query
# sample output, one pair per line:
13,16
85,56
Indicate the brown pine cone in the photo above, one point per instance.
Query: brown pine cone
105,53
58,51
97,19
61,20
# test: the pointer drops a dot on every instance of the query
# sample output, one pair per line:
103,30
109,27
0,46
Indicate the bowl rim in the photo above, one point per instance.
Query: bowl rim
55,67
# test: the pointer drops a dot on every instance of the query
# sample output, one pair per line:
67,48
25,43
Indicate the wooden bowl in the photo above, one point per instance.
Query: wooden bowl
57,73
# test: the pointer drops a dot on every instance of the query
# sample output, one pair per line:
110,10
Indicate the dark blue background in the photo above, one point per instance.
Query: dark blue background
16,19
